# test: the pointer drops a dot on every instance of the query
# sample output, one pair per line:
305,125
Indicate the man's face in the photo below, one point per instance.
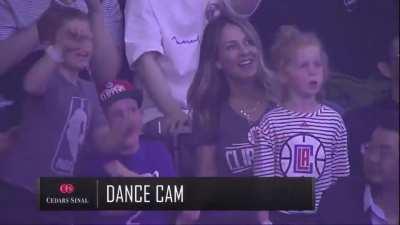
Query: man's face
125,116
381,157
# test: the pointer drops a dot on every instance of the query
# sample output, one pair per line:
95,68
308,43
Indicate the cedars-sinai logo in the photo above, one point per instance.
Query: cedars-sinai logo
66,188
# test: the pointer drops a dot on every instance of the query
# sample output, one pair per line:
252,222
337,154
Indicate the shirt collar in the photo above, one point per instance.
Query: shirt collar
370,204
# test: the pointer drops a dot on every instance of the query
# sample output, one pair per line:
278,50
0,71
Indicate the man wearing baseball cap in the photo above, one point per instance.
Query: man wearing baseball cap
137,156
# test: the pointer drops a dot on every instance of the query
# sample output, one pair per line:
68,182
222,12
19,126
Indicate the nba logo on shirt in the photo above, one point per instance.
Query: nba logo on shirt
72,137
302,157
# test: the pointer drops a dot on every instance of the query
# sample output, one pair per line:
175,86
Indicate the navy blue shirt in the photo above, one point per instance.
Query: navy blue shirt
234,154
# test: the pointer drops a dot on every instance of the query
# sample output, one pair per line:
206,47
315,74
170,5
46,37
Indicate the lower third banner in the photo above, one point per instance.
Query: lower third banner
176,193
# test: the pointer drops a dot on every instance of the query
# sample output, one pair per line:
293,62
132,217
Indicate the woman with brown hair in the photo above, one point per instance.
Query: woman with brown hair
230,92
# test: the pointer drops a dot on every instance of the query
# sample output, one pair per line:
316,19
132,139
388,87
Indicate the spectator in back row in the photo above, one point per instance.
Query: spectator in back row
355,32
360,121
374,198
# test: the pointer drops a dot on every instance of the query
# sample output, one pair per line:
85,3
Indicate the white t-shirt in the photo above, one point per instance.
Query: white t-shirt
173,28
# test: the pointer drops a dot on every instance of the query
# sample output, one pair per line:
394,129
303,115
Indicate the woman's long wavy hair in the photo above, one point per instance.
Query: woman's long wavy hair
210,89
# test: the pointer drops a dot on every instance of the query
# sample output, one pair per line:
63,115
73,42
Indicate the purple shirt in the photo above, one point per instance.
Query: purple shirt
54,129
151,158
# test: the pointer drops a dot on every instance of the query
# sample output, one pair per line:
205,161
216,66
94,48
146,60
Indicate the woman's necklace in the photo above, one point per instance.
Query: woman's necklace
250,113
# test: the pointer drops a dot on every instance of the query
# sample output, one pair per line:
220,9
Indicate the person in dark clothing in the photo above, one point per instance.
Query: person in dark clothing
359,122
372,199
355,32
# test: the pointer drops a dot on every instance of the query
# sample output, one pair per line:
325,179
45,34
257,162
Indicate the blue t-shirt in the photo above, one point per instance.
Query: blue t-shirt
152,157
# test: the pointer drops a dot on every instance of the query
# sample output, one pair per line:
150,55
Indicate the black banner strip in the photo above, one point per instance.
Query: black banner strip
176,194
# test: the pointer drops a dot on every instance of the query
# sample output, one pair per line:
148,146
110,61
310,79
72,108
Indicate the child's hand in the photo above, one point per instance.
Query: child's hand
175,122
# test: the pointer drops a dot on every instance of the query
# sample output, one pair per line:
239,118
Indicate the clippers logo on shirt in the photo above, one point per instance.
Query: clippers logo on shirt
302,156
72,137
302,163
239,157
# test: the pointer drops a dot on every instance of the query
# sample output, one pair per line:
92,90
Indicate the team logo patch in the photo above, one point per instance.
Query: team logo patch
72,137
302,156
253,134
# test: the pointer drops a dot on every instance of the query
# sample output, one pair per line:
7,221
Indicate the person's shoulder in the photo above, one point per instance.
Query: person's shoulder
342,203
356,182
332,114
344,190
272,114
275,111
331,111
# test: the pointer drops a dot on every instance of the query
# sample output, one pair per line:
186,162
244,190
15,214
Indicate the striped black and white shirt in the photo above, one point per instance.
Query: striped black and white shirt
294,144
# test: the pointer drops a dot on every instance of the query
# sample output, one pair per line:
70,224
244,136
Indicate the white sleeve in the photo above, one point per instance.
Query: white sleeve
8,24
142,30
245,12
113,20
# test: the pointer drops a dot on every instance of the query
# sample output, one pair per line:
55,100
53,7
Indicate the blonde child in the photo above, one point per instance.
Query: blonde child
301,137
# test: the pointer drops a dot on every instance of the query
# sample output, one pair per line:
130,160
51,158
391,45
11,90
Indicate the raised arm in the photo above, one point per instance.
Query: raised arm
107,57
14,44
37,78
143,48
154,80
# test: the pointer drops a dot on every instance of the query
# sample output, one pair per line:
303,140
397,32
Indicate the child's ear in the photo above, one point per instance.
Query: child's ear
384,68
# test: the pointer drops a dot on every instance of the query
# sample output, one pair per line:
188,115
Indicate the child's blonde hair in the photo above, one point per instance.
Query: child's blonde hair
287,41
